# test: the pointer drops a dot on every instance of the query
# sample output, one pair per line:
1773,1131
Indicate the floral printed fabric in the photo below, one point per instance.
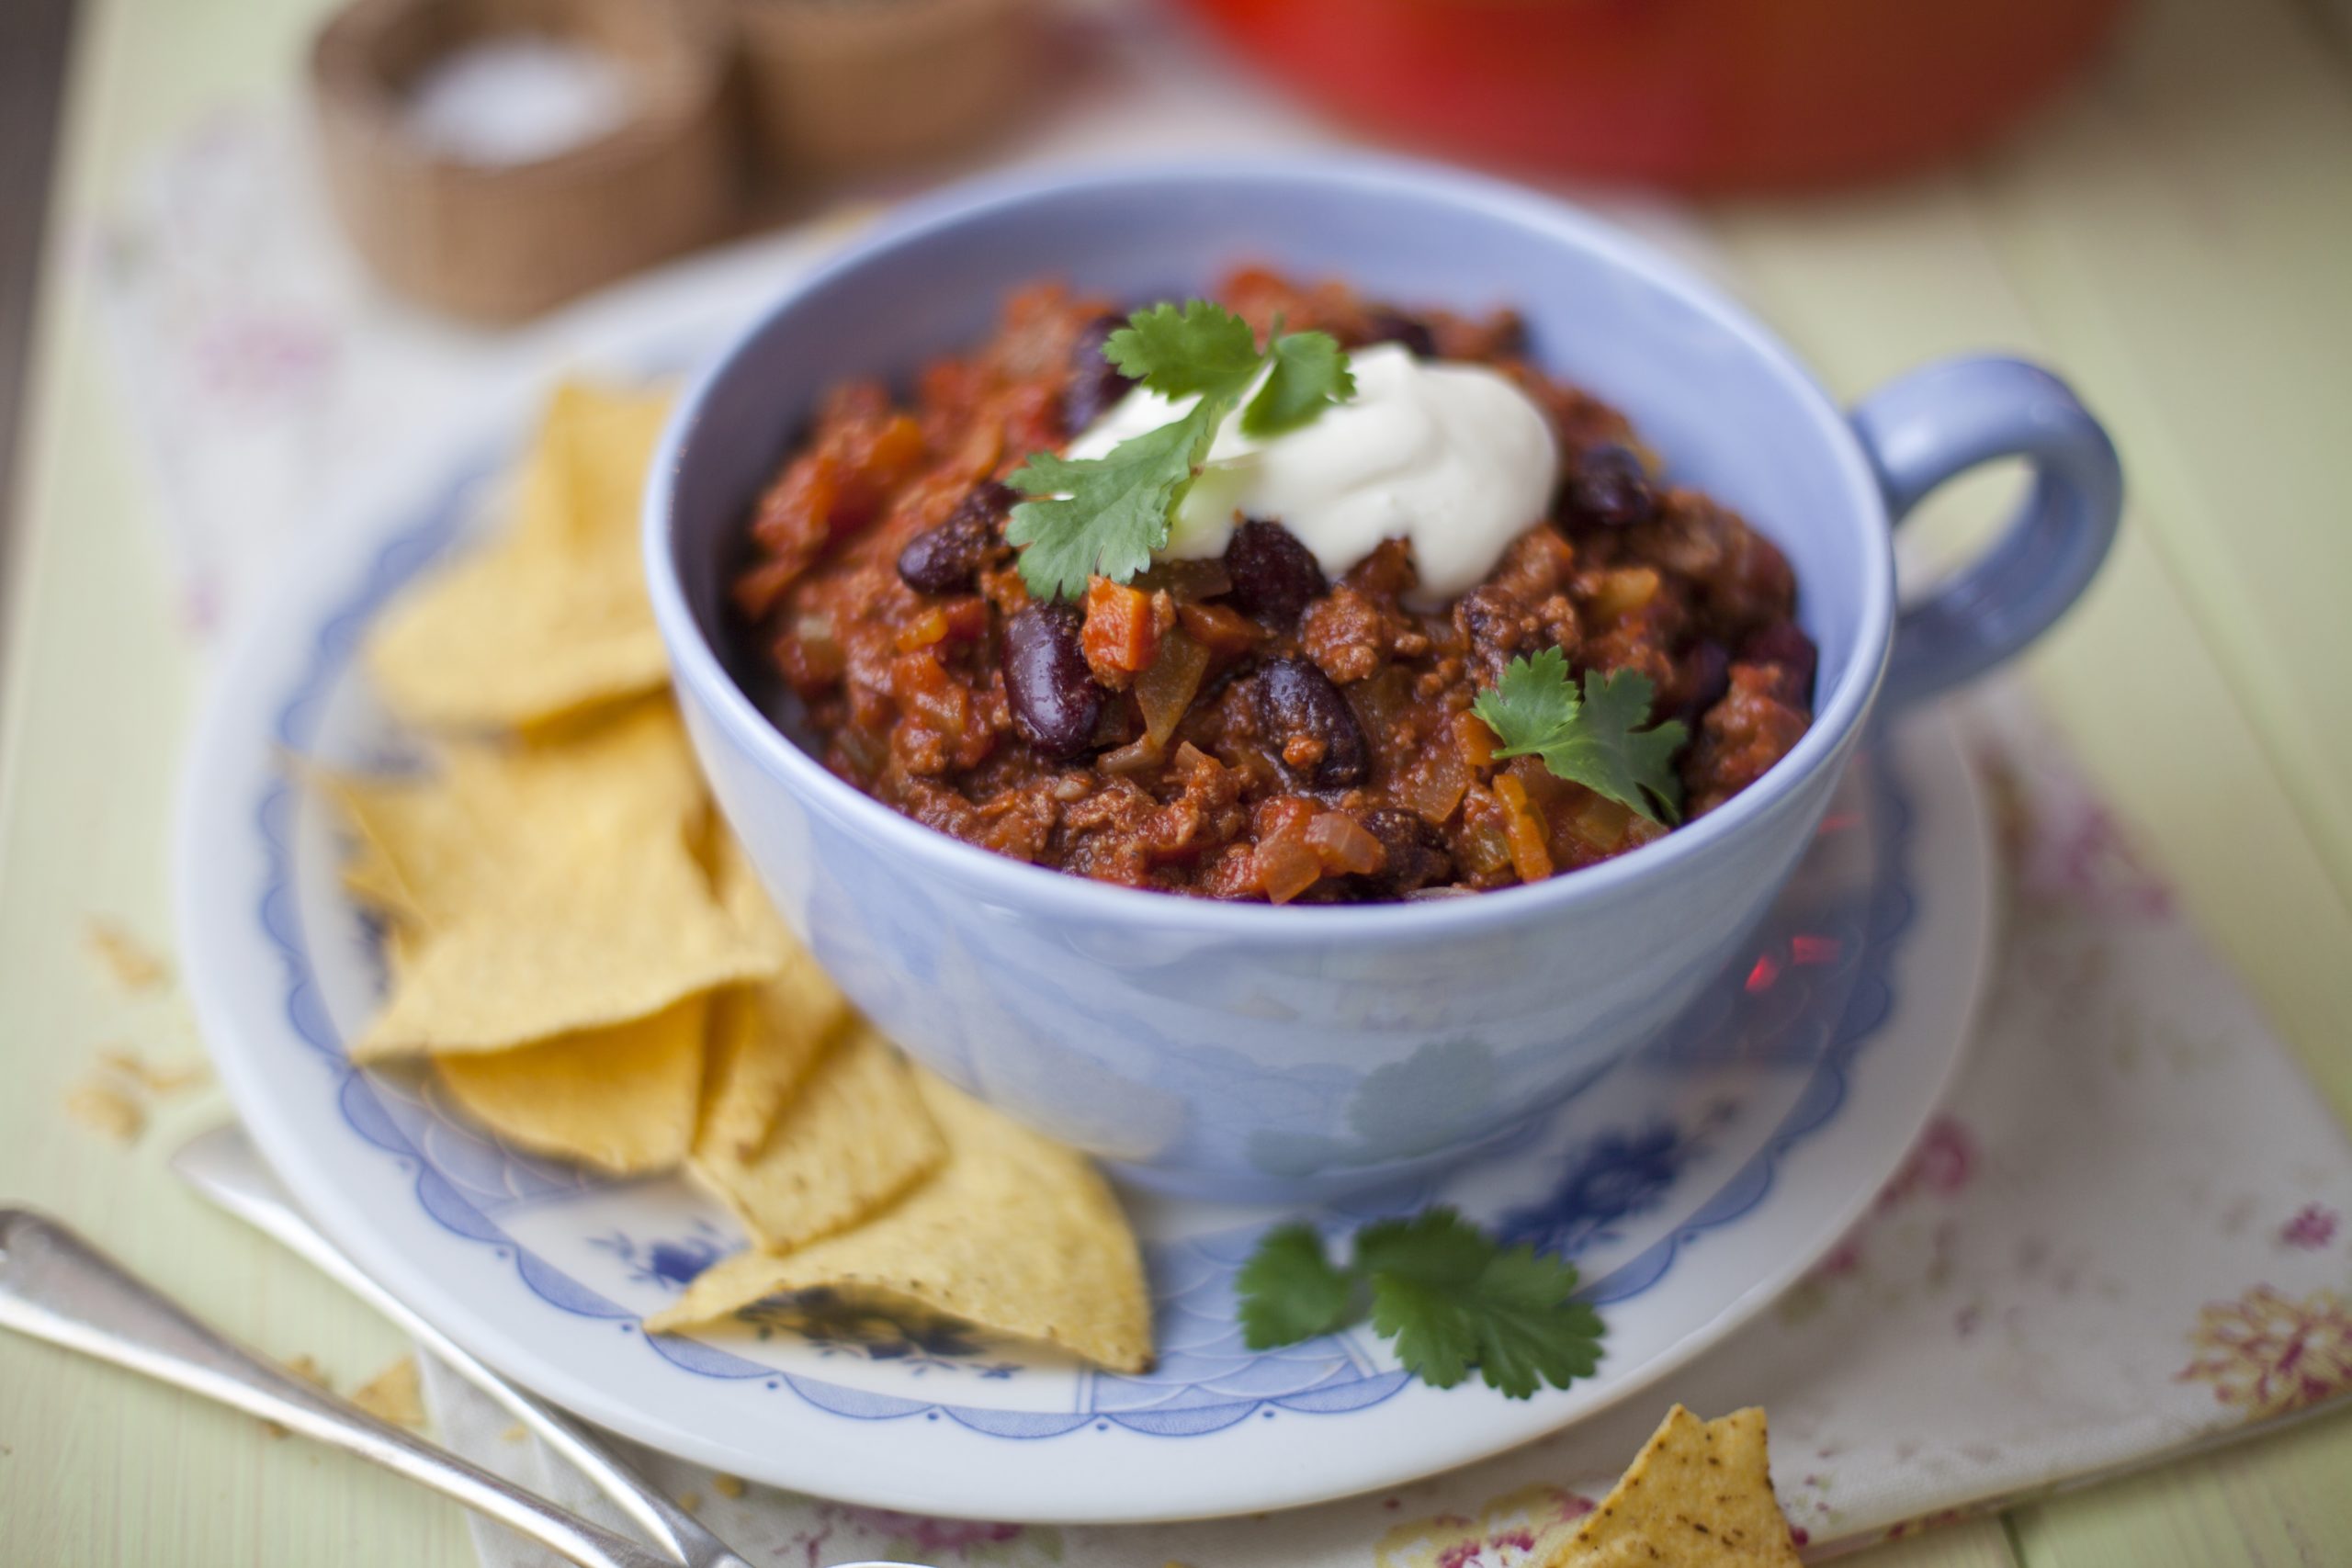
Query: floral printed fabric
2123,1236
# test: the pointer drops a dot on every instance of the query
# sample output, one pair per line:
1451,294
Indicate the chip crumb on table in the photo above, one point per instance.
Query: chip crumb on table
106,1109
310,1371
160,1081
131,963
726,1486
394,1395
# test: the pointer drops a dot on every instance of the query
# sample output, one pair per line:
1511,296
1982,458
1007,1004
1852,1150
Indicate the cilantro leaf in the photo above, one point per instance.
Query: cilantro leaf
1528,1329
1442,1290
1534,710
1289,1290
1105,515
1436,1244
1310,373
1202,348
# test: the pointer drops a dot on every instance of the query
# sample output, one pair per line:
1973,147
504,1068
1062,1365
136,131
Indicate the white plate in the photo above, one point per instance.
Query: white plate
1690,1184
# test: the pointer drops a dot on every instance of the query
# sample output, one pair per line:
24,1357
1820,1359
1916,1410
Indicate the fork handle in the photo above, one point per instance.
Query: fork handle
225,1168
55,1286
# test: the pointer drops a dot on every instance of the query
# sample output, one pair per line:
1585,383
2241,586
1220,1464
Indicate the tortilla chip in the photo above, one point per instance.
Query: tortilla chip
765,1037
426,841
541,890
737,882
1698,1496
624,931
1015,1234
853,1136
552,616
622,1100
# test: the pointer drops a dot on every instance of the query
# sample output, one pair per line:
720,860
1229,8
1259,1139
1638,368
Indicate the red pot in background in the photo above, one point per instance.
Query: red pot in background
1713,94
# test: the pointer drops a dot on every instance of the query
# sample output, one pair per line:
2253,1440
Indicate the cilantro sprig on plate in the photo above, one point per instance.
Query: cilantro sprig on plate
1448,1295
1105,515
1588,739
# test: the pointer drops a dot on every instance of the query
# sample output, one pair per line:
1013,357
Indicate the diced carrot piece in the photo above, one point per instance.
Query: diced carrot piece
1476,742
1121,633
1523,828
925,629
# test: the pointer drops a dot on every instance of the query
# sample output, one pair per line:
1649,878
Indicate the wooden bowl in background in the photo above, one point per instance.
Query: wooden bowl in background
848,86
497,243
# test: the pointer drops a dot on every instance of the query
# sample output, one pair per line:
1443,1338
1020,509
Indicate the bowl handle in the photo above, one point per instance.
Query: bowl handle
1943,418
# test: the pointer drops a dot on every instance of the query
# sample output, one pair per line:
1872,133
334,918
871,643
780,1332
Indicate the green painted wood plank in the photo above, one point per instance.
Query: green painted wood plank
1971,1544
2277,1500
97,1467
1869,287
2182,237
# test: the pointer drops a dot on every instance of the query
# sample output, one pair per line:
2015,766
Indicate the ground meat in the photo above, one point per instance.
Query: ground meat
1244,728
1752,727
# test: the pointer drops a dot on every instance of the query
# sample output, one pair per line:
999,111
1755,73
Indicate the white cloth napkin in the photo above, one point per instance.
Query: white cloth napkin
2123,1236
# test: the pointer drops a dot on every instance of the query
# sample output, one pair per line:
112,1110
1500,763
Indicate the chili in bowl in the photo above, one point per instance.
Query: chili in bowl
1141,823
1472,642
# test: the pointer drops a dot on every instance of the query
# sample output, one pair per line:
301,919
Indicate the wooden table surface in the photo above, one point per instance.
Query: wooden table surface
2178,238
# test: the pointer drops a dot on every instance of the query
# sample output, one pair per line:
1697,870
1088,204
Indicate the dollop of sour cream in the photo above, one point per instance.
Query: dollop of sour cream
1453,458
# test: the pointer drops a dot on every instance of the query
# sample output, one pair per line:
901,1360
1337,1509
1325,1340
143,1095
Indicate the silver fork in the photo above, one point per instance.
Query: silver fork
224,1167
55,1286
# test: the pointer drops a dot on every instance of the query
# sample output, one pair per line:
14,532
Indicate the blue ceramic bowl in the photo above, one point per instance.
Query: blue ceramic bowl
1253,1053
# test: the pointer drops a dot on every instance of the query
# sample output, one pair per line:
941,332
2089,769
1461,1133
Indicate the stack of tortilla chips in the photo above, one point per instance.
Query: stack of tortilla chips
587,959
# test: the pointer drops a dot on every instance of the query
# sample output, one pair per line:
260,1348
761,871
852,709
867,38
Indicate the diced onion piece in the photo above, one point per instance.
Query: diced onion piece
1136,755
1483,848
1343,845
1166,688
1599,822
1435,786
1623,591
1188,580
1523,830
1284,864
1218,628
1384,701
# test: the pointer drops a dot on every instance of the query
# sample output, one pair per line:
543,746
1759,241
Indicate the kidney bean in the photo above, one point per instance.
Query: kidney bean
1785,644
1705,677
1095,382
1053,699
1417,852
947,558
1382,324
1297,702
1610,487
1274,576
